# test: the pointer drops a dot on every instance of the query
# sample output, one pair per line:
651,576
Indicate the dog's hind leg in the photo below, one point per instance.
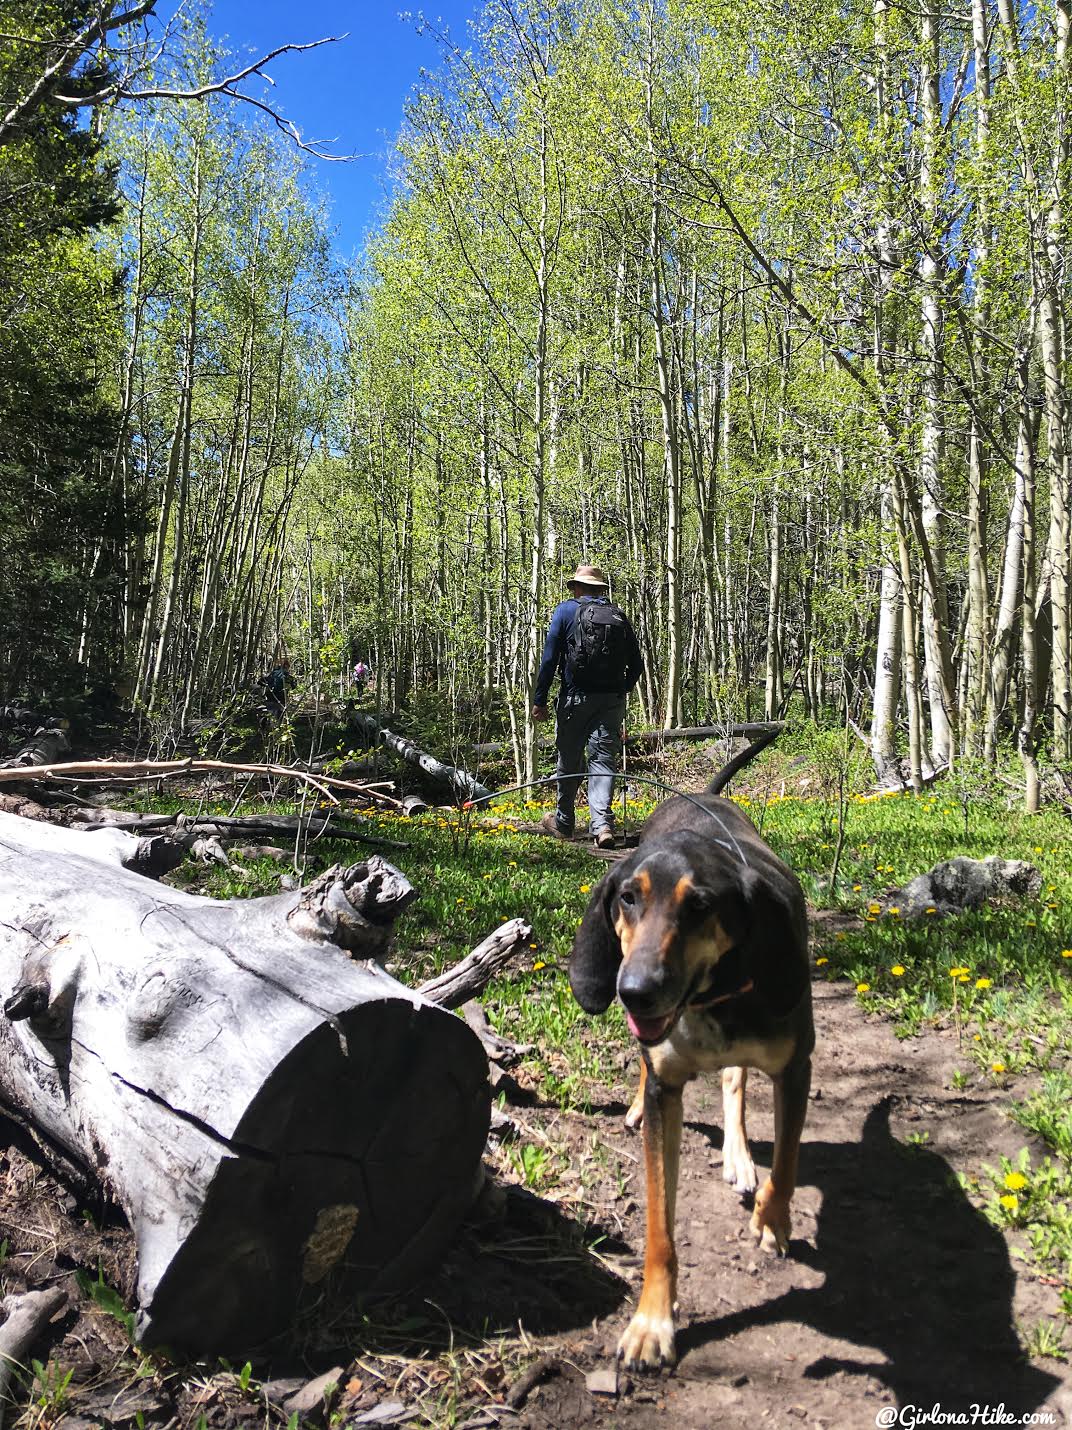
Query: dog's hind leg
771,1224
648,1341
635,1116
737,1166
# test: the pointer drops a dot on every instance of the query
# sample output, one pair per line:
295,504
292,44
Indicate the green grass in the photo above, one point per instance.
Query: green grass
999,977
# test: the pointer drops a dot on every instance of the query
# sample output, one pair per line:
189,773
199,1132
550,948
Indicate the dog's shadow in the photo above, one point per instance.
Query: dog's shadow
911,1269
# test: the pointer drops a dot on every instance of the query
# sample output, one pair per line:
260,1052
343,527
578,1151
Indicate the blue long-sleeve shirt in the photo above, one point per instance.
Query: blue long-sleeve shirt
554,654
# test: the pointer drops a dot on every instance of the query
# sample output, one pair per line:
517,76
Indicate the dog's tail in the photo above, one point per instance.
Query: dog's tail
747,755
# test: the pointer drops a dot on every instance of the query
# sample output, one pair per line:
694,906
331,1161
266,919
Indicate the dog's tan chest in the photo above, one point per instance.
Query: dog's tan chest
698,1045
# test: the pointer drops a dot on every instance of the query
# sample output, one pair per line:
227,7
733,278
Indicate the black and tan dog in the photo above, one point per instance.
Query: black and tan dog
702,932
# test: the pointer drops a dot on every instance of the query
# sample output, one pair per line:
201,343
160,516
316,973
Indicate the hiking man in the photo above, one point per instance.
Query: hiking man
593,649
276,684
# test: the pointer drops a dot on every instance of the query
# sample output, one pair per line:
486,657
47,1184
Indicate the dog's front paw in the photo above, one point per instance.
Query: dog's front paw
634,1118
771,1223
648,1342
738,1169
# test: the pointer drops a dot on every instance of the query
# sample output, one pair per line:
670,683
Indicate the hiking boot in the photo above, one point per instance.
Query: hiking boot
605,839
550,825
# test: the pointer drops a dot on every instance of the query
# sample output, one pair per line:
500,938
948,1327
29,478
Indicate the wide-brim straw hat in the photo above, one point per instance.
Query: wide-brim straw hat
588,576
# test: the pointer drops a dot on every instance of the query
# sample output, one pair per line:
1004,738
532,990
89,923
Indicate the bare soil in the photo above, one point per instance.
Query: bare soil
897,1293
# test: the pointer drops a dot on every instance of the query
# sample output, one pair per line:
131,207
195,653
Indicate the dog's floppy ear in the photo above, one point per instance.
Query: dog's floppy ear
593,963
776,942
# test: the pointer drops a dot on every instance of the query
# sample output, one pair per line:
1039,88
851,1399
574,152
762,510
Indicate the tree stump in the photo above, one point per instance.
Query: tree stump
274,1117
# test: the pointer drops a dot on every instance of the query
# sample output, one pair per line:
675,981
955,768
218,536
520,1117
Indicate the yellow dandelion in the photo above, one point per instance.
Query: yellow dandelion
863,988
1066,953
1010,1203
963,978
931,910
533,945
958,972
1015,1181
1030,923
894,910
820,961
538,965
982,983
874,908
586,888
997,1067
898,970
856,888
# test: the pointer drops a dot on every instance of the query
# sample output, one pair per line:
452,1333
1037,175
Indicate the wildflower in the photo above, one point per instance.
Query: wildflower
931,910
1010,1203
586,888
820,961
874,908
894,910
997,1067
982,983
1015,1181
863,988
898,970
958,972
1066,953
856,888
1030,923
538,965
532,945
963,978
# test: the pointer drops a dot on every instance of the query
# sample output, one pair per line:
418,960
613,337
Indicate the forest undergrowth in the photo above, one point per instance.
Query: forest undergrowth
998,979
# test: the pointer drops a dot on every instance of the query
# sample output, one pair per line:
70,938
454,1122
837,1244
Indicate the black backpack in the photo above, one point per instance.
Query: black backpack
598,648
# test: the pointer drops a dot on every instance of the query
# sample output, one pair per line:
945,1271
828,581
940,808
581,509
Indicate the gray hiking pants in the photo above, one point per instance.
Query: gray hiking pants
592,723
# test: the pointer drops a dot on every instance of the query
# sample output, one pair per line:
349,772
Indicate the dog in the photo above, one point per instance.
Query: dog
702,933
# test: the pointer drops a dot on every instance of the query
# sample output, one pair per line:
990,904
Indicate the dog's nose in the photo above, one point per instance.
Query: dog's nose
642,987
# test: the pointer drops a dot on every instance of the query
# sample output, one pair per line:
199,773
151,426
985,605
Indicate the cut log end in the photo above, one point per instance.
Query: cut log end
348,1174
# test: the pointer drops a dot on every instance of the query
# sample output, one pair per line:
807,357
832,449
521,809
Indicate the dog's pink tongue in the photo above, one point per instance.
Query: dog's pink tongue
649,1030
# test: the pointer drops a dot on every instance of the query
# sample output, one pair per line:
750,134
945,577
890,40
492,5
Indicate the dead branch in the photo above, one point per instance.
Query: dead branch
26,1317
76,770
456,985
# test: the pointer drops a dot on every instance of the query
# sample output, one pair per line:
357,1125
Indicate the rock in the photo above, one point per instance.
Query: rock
959,884
602,1382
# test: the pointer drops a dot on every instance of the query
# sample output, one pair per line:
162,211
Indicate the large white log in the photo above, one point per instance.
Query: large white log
272,1115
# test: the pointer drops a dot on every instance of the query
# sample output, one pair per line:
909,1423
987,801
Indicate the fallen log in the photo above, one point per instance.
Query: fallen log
274,1117
464,785
43,748
639,738
119,771
25,1317
188,829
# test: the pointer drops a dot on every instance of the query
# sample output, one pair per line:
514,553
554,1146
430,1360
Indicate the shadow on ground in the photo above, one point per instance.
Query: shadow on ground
911,1269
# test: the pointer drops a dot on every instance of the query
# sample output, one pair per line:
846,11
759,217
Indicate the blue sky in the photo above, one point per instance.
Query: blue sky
351,93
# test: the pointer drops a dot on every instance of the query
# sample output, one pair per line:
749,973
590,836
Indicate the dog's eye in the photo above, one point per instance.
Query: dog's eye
627,897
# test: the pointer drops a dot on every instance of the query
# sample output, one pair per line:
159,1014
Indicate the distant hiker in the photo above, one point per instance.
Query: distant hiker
593,648
276,684
361,675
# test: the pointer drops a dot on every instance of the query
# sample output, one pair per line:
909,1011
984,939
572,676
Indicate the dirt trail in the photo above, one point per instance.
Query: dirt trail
898,1292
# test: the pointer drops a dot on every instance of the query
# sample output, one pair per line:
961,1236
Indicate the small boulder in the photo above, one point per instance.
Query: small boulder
959,884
